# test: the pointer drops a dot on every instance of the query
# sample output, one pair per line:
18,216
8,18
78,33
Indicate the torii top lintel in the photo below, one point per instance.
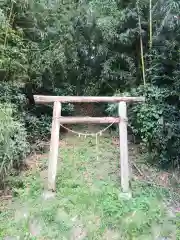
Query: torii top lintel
79,99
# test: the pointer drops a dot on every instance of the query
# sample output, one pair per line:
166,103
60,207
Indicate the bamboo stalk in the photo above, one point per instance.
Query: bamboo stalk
150,24
141,45
8,21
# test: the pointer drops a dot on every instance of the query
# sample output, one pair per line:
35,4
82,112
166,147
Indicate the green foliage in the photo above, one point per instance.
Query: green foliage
13,142
151,122
37,119
13,52
178,226
13,93
156,123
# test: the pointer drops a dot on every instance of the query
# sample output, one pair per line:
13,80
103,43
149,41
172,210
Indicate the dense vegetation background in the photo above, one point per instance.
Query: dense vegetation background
95,47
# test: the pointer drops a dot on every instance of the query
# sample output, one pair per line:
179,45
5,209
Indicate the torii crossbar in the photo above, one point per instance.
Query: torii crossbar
58,119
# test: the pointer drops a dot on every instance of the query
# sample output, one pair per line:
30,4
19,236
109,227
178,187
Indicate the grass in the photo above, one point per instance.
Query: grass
87,204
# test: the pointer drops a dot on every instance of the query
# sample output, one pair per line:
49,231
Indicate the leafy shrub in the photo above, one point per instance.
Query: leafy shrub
156,122
38,128
13,142
13,93
38,121
37,118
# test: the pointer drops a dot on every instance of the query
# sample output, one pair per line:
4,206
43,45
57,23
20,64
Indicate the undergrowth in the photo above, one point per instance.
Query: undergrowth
13,141
88,204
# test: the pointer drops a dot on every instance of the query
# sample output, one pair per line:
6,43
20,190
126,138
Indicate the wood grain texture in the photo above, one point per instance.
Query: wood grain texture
54,146
72,120
65,99
123,148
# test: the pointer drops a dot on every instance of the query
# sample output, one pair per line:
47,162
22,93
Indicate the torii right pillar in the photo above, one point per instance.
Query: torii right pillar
122,109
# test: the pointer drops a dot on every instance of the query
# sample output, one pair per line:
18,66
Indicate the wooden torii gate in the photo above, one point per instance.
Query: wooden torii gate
57,119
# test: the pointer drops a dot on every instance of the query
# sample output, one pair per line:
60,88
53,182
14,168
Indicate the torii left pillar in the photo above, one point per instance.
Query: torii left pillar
54,146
